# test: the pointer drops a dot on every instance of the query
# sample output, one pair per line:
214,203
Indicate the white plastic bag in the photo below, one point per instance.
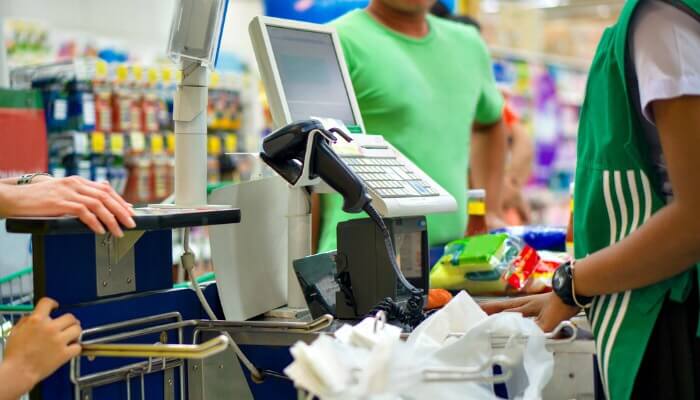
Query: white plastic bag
370,362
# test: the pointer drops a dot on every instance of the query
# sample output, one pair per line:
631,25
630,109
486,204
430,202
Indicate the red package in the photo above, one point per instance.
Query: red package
522,267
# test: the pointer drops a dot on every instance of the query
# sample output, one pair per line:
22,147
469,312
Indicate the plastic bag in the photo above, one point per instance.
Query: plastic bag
382,366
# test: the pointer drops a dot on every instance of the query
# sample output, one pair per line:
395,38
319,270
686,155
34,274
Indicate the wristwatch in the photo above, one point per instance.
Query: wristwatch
27,178
563,283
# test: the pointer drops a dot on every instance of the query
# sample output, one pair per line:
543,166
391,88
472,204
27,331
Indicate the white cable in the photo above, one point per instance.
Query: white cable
187,260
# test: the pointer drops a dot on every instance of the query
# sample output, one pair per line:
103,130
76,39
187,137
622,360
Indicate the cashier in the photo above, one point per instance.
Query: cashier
637,214
39,344
422,82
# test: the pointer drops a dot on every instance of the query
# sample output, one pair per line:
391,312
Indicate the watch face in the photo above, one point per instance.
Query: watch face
559,278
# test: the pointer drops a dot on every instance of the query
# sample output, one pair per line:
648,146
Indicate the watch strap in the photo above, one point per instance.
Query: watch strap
563,286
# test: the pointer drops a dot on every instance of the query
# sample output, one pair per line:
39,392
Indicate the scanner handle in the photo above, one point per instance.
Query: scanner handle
333,170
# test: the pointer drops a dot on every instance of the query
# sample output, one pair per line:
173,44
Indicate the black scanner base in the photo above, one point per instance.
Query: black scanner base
364,271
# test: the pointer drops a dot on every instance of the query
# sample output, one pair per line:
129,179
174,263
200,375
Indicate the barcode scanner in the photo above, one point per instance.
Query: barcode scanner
285,151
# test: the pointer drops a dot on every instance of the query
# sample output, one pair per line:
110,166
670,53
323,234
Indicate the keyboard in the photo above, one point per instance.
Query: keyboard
389,177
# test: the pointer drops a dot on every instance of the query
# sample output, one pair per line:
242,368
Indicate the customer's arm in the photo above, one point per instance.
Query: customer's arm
518,171
488,157
36,179
37,346
96,204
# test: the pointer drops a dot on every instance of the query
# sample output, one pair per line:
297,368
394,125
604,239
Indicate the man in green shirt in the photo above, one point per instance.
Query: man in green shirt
423,83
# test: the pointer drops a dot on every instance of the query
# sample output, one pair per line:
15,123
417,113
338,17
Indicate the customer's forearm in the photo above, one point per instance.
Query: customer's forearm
8,200
8,181
521,156
495,165
14,381
668,244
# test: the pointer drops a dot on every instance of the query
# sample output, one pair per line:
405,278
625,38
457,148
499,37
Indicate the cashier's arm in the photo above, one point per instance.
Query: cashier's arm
668,244
488,158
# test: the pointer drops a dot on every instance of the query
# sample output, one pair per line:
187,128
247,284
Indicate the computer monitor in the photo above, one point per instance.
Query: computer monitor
304,72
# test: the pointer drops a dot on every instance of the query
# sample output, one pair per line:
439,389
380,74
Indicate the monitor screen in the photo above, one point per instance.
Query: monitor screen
310,72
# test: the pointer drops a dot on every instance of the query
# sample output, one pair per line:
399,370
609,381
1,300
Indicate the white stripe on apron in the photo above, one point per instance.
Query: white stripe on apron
631,181
599,300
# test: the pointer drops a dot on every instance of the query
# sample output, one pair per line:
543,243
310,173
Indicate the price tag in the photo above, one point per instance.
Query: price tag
137,141
116,144
98,142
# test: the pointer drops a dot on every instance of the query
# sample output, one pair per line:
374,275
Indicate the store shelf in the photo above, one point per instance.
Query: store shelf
574,63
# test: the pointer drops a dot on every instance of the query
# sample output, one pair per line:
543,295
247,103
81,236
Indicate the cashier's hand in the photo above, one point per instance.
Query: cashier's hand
547,309
38,345
96,204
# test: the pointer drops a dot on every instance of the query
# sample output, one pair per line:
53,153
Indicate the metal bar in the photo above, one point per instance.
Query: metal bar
185,351
75,362
312,326
142,332
119,374
138,321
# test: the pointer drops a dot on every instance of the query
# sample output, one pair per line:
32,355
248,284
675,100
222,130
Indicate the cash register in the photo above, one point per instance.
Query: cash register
321,145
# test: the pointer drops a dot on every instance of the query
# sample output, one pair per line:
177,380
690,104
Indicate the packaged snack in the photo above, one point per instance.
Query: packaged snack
541,279
492,264
521,268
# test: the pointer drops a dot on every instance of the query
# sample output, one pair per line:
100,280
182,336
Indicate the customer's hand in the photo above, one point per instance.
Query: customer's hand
513,200
38,345
494,220
95,203
547,308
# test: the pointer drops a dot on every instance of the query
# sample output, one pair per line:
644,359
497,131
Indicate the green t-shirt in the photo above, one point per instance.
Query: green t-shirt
422,95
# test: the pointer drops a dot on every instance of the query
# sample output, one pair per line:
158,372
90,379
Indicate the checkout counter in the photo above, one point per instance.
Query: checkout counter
144,339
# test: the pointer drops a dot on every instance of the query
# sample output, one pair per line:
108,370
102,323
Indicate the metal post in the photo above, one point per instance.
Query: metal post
191,136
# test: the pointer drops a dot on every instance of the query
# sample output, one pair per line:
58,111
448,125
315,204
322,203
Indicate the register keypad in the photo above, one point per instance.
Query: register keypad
388,177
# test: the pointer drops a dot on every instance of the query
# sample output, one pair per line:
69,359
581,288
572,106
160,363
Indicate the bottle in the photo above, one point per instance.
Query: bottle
121,101
117,173
98,157
103,98
570,227
213,151
476,209
159,189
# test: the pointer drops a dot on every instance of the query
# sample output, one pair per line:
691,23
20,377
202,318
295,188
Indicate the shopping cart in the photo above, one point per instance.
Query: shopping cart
16,300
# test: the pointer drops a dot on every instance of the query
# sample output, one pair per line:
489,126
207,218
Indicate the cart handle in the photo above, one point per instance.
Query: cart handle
183,351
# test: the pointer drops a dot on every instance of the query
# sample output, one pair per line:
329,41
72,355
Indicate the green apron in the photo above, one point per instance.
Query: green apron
616,192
